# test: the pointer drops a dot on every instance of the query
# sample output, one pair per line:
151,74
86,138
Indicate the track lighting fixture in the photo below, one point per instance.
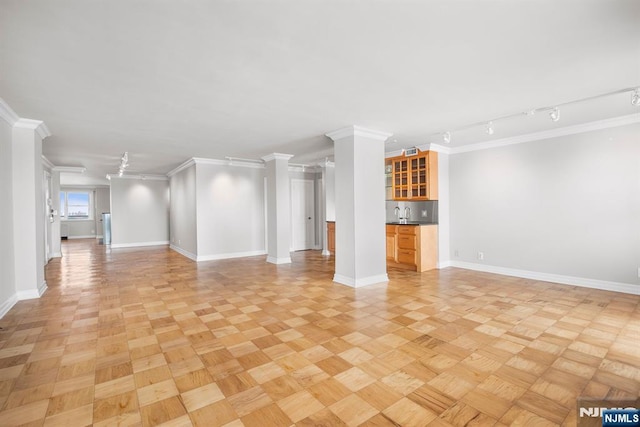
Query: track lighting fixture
489,128
553,110
124,163
635,97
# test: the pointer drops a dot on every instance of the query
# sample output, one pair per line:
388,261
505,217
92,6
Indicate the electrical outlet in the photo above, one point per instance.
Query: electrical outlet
178,241
93,231
424,213
481,255
456,253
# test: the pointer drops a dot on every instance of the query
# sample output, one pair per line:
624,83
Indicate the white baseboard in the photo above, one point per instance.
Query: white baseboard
182,252
32,293
360,282
88,236
445,264
99,236
8,304
325,252
138,244
230,255
554,278
274,260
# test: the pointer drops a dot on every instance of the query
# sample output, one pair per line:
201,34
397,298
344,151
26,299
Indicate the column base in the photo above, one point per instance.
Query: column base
274,260
360,282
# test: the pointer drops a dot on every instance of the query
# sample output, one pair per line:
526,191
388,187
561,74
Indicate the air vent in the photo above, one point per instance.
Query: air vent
410,151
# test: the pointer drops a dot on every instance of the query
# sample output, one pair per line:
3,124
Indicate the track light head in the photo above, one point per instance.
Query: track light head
635,97
554,114
489,128
446,137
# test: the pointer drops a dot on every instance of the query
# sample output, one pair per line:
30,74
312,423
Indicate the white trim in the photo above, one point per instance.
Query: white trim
181,167
325,252
69,169
438,148
192,257
7,113
231,163
352,131
274,260
358,283
56,254
47,163
305,169
13,299
139,244
32,293
86,236
38,126
42,288
549,277
230,255
142,177
563,131
445,264
276,156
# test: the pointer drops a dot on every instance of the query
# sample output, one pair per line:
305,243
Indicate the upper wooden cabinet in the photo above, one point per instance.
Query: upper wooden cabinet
412,177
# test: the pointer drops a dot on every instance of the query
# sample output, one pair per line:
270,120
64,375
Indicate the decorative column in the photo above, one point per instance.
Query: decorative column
28,207
359,206
278,208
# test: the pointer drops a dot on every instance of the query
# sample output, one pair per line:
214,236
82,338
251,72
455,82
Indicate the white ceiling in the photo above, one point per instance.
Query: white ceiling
169,80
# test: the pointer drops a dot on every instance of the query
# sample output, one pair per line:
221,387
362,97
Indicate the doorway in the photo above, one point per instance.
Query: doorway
302,214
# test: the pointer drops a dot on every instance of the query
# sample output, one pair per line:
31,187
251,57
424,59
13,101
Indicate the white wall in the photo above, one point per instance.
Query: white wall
139,212
230,211
7,277
566,207
183,212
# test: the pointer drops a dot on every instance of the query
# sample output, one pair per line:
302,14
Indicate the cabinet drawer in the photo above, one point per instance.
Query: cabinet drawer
406,241
391,229
407,256
408,229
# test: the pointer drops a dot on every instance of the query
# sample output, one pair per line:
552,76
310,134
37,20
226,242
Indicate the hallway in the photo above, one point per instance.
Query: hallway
147,336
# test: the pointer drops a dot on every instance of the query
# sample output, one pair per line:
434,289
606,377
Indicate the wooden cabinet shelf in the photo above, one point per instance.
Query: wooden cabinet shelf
413,178
413,247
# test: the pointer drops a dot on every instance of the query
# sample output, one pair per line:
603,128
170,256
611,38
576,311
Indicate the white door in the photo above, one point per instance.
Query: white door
302,214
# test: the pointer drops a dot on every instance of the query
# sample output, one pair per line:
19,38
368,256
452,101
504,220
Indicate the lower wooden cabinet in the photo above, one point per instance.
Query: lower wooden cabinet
331,237
413,247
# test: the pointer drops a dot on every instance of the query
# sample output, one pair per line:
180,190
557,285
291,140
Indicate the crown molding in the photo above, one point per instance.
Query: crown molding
69,169
143,177
240,163
46,162
554,133
277,156
358,131
309,169
37,126
186,164
7,113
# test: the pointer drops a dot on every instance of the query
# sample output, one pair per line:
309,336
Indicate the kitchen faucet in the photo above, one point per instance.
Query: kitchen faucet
407,212
397,212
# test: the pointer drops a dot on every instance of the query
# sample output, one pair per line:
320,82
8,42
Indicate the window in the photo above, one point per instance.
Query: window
75,204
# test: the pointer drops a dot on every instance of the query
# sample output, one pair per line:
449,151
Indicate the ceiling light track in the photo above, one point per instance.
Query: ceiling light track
553,111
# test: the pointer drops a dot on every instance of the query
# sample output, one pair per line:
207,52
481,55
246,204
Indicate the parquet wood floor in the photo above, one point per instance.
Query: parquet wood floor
148,337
